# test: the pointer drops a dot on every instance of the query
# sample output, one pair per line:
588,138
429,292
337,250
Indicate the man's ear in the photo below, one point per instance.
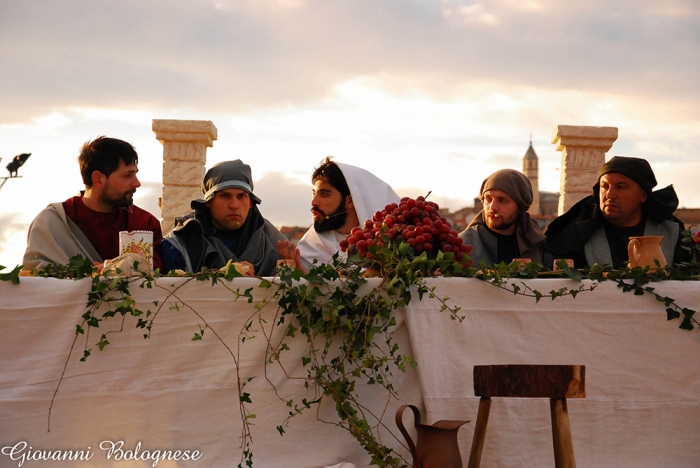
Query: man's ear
644,196
98,179
348,202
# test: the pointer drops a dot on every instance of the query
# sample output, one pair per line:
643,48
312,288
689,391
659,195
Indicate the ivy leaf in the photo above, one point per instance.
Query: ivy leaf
290,330
12,276
249,295
672,314
103,342
245,398
86,354
573,274
686,324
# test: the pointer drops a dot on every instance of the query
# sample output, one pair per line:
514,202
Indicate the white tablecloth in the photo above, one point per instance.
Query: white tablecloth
170,393
642,407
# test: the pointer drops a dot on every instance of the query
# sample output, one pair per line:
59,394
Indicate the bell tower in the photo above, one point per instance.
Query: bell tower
531,170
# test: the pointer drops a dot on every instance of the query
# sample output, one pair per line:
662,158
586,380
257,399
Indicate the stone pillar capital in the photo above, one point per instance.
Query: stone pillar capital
584,136
191,131
583,151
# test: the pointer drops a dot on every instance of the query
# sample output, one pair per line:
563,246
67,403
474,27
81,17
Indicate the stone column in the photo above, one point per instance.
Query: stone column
185,144
582,155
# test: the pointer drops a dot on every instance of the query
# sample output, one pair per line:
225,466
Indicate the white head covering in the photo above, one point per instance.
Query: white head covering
369,195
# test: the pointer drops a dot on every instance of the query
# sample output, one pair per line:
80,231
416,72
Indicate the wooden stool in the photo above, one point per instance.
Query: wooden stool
530,381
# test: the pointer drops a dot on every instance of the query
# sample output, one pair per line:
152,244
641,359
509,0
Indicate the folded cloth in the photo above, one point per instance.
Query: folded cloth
342,465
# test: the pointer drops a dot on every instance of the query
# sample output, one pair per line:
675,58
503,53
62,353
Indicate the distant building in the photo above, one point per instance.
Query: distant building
549,203
462,217
531,170
293,233
690,217
545,205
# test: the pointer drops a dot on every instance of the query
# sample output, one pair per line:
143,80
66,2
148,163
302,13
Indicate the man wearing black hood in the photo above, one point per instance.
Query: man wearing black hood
225,225
597,229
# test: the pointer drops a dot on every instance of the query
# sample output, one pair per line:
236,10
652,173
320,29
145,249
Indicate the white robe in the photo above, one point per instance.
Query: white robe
369,195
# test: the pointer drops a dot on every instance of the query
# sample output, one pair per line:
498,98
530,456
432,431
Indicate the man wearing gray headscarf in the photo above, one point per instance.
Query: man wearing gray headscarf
225,225
623,205
504,230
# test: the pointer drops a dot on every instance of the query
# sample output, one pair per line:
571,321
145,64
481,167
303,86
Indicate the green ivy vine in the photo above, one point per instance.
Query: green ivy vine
348,326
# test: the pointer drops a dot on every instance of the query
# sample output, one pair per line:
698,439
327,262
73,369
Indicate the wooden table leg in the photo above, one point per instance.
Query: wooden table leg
561,434
482,420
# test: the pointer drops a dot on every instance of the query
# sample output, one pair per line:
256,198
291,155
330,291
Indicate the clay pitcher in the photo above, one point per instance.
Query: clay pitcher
643,250
436,446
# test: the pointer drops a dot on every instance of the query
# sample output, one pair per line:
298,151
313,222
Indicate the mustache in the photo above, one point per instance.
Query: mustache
316,210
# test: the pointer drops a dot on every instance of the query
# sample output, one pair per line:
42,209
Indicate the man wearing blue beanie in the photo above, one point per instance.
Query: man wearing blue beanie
225,225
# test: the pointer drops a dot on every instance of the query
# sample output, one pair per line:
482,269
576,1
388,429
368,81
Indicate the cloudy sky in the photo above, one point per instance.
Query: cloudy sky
431,95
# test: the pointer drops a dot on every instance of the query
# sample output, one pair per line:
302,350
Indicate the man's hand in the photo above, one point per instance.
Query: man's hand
287,251
247,270
123,265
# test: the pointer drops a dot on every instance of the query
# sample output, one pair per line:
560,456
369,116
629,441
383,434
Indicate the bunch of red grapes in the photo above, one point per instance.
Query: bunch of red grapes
416,222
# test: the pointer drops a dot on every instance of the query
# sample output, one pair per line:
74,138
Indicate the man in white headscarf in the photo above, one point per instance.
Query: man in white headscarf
504,230
344,197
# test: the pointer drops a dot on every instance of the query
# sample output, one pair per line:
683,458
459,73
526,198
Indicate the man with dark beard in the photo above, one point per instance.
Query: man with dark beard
89,224
344,197
504,230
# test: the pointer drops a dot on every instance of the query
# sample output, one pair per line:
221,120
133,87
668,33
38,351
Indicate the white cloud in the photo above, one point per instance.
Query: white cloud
248,55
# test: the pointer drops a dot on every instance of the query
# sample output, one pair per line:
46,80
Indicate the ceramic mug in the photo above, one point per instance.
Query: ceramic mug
138,242
645,251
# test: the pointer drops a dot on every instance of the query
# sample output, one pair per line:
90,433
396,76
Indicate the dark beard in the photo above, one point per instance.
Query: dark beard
334,220
120,202
503,225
